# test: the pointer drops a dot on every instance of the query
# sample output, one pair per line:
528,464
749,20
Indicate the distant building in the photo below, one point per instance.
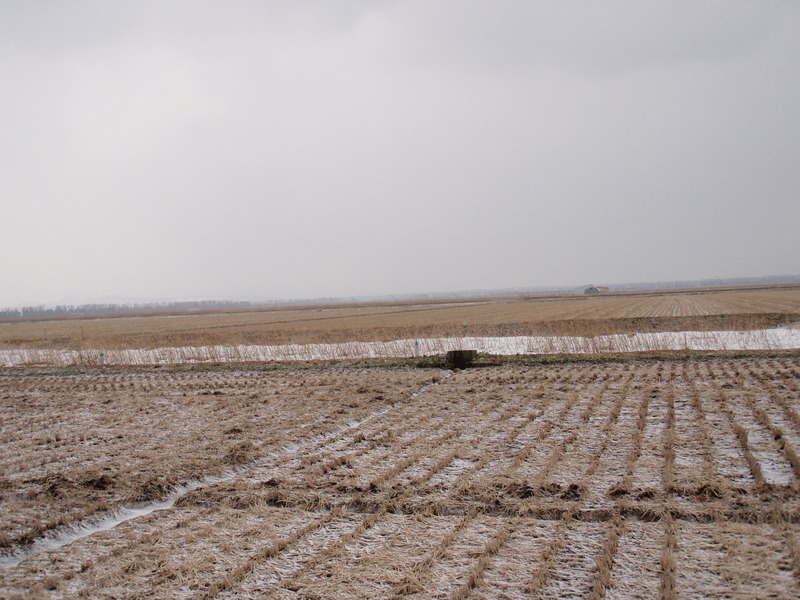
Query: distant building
591,289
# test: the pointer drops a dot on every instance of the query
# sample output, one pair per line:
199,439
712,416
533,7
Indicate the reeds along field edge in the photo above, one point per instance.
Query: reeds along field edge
499,317
765,339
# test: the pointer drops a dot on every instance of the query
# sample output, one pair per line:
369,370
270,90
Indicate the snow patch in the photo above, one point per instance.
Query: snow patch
759,339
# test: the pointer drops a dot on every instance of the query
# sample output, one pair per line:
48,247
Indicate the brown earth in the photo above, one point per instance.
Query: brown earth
634,479
572,315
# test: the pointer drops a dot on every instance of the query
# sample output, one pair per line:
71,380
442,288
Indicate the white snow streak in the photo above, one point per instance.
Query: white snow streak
63,537
759,339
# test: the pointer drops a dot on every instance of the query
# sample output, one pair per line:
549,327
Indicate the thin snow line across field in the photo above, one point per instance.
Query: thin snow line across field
69,534
759,339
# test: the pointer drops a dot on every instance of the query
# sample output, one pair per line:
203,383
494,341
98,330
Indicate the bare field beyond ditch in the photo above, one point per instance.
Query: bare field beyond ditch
621,479
744,309
721,320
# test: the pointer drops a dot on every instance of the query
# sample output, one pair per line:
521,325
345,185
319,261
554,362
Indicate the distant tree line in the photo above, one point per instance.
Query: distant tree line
83,310
66,310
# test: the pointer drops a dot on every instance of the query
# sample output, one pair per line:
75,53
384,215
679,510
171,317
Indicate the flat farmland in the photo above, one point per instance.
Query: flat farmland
570,315
629,479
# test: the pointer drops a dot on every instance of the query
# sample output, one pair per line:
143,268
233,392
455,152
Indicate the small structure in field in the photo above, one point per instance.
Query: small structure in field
591,289
460,359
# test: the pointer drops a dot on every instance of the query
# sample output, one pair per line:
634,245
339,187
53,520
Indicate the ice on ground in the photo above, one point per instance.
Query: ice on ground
760,339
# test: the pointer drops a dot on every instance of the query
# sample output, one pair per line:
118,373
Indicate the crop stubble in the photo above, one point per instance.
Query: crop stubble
672,479
570,315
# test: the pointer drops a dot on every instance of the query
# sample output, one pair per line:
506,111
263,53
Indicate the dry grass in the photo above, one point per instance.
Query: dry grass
75,446
616,480
564,316
668,563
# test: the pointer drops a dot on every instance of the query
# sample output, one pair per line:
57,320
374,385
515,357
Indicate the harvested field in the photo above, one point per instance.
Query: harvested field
637,479
536,316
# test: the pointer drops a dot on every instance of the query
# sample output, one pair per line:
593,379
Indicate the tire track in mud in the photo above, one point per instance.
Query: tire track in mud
175,555
709,474
587,550
90,446
544,427
274,548
742,436
771,438
646,464
384,505
329,439
569,542
625,485
372,518
75,531
790,419
345,473
87,567
413,579
328,457
385,530
474,574
598,554
606,553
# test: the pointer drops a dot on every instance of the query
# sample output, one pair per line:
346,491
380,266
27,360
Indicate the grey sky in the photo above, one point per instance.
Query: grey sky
252,150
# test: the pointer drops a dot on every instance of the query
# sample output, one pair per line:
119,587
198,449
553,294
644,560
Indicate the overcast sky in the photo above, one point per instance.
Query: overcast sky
266,149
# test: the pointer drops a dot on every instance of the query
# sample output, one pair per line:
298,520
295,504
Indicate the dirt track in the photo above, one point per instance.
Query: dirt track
625,480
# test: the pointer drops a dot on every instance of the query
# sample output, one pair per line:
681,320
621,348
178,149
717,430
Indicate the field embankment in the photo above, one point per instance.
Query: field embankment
658,342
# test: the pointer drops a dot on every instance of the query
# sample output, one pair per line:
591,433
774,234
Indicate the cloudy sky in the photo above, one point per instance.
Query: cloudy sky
289,149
